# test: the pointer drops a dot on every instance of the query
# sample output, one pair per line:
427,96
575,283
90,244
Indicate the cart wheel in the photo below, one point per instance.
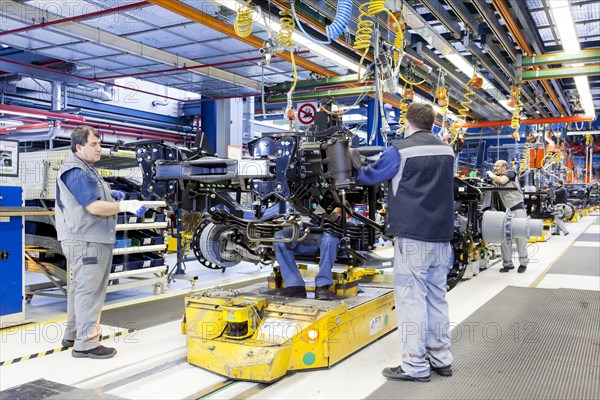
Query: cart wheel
28,298
157,288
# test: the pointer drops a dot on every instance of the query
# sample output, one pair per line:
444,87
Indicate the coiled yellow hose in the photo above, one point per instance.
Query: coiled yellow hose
524,158
285,39
515,122
243,20
364,31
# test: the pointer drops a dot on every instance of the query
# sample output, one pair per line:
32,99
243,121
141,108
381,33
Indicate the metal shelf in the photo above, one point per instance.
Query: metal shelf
139,249
142,225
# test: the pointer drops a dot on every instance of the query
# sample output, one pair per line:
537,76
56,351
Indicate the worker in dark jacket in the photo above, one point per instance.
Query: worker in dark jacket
420,218
560,200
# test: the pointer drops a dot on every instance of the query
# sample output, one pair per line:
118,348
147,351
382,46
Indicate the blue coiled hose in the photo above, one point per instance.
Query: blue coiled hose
336,28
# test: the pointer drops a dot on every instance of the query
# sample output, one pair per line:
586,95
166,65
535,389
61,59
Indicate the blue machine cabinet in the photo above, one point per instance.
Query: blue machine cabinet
12,269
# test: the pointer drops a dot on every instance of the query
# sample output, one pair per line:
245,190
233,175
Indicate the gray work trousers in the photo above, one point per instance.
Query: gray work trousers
90,266
521,247
420,280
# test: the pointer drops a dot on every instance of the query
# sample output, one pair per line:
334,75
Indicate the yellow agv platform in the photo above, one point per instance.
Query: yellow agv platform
245,335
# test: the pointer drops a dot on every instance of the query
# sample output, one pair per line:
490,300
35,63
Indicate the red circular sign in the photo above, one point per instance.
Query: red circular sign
306,113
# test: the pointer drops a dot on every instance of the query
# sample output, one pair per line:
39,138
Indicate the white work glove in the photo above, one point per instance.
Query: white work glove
490,174
133,206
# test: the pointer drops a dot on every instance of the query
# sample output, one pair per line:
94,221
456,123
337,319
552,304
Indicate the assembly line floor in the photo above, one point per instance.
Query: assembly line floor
151,360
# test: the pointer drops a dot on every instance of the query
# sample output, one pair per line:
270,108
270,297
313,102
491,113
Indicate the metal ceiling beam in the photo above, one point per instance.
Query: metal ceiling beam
562,58
500,33
534,40
534,121
450,71
494,24
465,15
559,73
494,52
7,10
444,17
514,29
23,13
202,18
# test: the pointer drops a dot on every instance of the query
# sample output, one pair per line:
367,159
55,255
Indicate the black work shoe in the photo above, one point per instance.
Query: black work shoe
521,269
323,293
506,269
397,373
68,343
555,233
291,291
443,371
566,233
96,352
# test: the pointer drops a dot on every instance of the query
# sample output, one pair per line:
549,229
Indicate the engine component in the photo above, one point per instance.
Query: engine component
498,227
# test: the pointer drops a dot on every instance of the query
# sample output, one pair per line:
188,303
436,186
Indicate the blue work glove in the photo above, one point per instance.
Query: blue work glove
118,195
134,207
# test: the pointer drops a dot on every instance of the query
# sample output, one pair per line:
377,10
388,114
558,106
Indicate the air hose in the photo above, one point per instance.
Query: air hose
243,20
337,26
285,39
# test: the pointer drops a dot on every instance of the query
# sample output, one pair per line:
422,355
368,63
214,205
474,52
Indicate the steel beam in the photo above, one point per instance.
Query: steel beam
336,80
529,28
514,29
559,73
444,17
490,109
562,58
324,94
465,15
534,121
495,26
200,17
23,13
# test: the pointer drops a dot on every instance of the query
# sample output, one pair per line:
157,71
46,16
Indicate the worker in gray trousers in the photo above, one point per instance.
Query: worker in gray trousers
86,223
513,201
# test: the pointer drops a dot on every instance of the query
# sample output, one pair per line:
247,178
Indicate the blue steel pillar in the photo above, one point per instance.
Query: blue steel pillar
374,124
208,113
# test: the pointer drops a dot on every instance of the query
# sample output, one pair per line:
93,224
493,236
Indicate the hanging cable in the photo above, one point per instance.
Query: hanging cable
515,101
285,39
337,26
243,21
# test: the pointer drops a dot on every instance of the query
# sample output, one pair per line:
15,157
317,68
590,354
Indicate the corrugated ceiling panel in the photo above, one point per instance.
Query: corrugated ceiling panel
231,45
546,34
196,51
9,24
196,32
534,4
588,13
588,32
101,66
158,39
157,16
22,42
540,18
65,8
135,61
118,24
50,37
93,49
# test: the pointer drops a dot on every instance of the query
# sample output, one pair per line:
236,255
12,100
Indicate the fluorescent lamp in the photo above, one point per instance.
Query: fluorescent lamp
24,114
563,19
299,39
4,122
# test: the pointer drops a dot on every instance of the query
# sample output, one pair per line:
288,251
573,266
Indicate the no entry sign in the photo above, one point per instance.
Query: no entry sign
306,113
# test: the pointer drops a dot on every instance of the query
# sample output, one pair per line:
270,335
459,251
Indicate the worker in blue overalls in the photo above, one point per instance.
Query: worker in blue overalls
86,223
420,218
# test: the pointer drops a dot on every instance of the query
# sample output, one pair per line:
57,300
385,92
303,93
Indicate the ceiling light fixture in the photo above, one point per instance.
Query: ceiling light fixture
563,19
